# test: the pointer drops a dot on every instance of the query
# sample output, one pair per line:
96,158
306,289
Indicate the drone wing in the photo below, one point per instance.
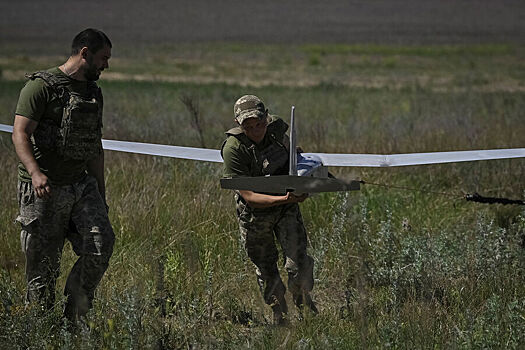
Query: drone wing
393,160
6,128
202,154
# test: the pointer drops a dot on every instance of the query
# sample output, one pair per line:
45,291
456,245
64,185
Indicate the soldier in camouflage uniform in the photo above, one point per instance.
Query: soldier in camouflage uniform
61,189
259,147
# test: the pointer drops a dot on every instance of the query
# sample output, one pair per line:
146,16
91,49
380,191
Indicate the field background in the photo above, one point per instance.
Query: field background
394,268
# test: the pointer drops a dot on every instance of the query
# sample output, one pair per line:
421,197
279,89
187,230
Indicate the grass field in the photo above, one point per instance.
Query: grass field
394,268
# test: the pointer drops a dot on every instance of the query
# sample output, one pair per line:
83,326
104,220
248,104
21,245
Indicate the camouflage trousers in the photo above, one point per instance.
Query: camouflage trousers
75,212
259,228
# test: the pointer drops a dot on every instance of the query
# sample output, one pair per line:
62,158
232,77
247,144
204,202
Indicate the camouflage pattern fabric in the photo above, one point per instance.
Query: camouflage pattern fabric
75,212
259,228
249,106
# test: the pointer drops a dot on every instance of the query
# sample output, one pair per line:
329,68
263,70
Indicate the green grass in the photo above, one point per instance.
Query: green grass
394,268
416,50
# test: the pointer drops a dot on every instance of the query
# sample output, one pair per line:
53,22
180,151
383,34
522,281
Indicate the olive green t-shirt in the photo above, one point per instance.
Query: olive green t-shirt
37,102
239,158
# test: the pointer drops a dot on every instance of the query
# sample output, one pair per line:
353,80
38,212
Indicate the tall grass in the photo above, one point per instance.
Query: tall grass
393,269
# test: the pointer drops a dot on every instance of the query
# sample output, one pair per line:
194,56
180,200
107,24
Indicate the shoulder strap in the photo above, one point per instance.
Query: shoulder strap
95,91
234,131
53,82
239,134
277,128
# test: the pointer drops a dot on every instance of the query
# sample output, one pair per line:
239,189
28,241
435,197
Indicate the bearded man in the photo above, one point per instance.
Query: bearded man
57,134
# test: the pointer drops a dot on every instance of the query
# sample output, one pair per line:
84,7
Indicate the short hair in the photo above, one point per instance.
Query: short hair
93,39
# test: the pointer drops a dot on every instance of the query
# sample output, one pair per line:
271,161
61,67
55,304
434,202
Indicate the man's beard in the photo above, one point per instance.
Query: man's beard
91,73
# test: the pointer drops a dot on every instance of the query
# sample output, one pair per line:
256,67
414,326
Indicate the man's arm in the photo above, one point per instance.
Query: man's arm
260,200
23,128
95,167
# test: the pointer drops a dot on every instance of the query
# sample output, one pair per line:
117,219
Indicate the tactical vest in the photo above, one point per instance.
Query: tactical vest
80,131
274,158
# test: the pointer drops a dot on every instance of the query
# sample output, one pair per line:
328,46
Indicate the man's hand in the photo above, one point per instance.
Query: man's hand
41,185
292,198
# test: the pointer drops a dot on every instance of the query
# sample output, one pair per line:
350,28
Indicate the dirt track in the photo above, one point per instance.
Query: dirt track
161,21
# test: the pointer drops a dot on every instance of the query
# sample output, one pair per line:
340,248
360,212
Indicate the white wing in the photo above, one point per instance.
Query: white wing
6,128
328,159
202,154
380,160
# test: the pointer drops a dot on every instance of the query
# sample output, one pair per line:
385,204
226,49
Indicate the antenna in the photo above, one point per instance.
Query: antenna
293,148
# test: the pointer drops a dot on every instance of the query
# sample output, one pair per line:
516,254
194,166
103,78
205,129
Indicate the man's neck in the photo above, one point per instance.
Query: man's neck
72,69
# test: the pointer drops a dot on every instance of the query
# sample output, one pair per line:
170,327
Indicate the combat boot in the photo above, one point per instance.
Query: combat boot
279,317
280,311
302,299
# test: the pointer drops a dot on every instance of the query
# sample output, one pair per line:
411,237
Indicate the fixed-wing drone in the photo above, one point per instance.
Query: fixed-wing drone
308,172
